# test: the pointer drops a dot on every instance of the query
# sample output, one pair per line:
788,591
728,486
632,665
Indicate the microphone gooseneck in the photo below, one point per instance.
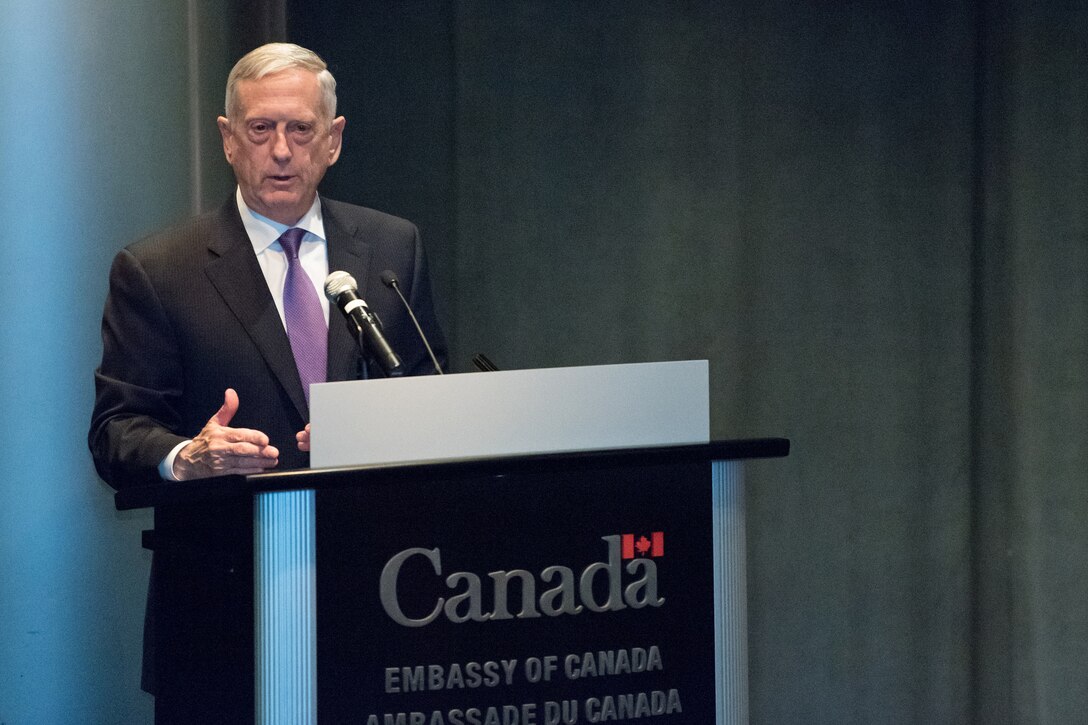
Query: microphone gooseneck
389,279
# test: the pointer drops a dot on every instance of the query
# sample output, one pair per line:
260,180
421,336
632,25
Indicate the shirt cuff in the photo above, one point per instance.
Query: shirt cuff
166,466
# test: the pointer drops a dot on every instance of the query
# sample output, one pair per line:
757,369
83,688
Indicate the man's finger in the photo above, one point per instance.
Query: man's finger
249,450
235,465
226,412
241,435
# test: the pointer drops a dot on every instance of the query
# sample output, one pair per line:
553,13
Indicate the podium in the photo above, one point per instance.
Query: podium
524,547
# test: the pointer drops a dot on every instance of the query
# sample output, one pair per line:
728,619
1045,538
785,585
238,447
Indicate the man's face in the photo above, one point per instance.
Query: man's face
280,144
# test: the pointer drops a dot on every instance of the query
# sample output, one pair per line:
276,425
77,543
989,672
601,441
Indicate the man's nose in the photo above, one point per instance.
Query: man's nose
281,149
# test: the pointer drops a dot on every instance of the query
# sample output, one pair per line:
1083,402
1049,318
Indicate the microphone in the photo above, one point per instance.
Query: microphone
389,279
343,291
483,363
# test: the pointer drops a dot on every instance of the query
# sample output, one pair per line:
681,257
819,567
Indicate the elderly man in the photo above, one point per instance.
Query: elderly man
212,333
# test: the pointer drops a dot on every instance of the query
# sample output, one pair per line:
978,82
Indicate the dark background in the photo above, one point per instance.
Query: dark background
871,217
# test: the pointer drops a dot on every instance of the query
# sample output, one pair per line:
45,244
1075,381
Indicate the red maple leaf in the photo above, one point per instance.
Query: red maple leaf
643,545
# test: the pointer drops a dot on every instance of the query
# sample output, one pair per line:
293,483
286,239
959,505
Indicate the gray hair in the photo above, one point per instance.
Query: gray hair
274,58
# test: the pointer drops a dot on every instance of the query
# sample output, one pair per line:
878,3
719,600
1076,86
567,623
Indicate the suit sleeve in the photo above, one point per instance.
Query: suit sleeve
139,384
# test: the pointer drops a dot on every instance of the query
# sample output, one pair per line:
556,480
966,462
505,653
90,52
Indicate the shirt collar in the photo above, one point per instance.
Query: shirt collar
263,232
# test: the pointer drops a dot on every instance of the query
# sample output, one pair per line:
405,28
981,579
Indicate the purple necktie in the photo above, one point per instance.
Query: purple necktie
305,319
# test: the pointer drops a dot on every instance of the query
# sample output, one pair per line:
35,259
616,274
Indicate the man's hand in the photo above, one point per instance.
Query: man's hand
221,451
303,438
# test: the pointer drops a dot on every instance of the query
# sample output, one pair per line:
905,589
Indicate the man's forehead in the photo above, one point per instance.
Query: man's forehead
290,92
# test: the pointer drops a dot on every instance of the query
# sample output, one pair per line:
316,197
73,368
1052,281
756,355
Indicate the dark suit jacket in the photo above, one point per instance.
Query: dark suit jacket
188,315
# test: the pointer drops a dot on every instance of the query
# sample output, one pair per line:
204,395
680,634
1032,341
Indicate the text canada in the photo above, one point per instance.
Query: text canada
561,590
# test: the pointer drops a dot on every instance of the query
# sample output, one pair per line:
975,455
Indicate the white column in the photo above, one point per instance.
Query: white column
285,588
730,594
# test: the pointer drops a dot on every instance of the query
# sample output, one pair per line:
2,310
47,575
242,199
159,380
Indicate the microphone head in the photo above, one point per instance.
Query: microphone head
339,282
389,279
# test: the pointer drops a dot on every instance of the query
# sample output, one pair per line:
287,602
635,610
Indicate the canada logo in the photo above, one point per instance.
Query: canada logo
630,547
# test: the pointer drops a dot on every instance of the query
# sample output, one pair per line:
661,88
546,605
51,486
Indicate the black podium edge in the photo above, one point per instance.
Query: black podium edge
211,489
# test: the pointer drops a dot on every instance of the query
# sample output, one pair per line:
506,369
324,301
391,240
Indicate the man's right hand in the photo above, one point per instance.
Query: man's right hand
219,450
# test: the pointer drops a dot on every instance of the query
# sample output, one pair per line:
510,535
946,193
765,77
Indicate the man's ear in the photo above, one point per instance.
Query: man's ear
228,137
336,138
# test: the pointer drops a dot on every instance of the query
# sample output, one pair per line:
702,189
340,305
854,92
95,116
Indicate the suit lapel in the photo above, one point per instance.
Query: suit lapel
237,276
348,252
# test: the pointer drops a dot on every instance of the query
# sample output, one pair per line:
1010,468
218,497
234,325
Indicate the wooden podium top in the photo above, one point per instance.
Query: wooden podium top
209,489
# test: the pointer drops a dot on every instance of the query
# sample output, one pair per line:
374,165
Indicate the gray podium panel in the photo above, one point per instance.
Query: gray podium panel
512,412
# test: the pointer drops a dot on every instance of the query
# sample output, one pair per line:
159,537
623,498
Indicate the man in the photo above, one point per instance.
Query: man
212,332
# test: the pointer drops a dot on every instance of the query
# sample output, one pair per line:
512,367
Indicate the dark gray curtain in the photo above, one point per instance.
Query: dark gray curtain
1030,489
869,217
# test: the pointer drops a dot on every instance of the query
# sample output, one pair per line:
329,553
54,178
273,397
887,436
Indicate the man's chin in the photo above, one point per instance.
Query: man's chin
284,207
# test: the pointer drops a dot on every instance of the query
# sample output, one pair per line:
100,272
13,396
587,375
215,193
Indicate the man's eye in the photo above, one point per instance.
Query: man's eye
259,127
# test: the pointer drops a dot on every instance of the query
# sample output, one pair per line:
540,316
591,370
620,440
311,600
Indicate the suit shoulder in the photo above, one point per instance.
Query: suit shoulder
367,221
189,238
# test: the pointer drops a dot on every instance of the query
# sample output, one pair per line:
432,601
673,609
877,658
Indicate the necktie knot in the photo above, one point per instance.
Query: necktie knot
291,240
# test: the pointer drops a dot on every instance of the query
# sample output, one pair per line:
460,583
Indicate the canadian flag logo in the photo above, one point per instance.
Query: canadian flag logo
630,546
